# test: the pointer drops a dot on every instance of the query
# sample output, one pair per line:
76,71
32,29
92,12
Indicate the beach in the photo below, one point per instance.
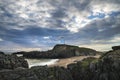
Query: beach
56,62
66,61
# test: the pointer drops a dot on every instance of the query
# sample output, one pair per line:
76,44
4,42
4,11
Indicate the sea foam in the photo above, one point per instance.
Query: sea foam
41,62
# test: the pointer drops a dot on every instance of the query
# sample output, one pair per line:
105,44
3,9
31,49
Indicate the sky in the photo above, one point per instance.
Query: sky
40,24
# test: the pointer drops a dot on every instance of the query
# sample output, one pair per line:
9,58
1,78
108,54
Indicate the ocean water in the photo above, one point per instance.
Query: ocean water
41,62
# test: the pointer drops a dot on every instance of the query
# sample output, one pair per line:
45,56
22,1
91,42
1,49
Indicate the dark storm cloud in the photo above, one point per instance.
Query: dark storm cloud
81,4
26,36
59,13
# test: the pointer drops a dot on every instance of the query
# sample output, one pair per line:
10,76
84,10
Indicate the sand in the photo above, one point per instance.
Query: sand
66,61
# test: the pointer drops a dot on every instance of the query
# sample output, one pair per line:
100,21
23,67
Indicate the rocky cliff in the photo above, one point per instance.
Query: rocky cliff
107,67
36,73
61,51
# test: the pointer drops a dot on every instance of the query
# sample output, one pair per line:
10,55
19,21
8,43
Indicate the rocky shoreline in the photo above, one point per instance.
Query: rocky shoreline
107,67
60,51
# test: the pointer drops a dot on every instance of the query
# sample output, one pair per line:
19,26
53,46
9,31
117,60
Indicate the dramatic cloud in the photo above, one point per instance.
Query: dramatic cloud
40,24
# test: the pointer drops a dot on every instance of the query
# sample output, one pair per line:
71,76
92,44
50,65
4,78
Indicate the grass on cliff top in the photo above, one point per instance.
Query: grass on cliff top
59,46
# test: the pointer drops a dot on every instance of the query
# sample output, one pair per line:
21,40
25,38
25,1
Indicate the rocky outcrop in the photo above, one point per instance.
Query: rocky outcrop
1,53
83,70
12,61
52,73
116,47
69,51
61,51
17,74
16,68
105,68
36,73
108,68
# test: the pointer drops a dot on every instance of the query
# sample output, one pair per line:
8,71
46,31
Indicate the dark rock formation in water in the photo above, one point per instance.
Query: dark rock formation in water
61,51
12,61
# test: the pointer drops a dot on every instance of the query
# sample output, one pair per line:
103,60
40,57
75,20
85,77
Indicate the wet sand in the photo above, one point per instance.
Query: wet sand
66,61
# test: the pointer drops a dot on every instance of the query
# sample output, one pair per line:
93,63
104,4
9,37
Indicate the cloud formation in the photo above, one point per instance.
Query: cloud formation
39,24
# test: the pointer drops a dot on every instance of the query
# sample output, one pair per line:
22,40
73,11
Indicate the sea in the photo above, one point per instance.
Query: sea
39,62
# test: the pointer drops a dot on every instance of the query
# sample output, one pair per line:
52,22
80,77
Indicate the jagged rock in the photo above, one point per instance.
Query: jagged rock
106,67
36,73
52,73
116,47
83,70
12,62
17,74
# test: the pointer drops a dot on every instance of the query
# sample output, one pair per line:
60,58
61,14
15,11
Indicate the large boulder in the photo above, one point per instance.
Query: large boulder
12,62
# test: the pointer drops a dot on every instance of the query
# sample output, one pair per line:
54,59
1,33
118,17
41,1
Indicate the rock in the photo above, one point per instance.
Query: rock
69,51
61,51
106,67
12,62
1,53
116,47
17,74
52,73
36,73
83,70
